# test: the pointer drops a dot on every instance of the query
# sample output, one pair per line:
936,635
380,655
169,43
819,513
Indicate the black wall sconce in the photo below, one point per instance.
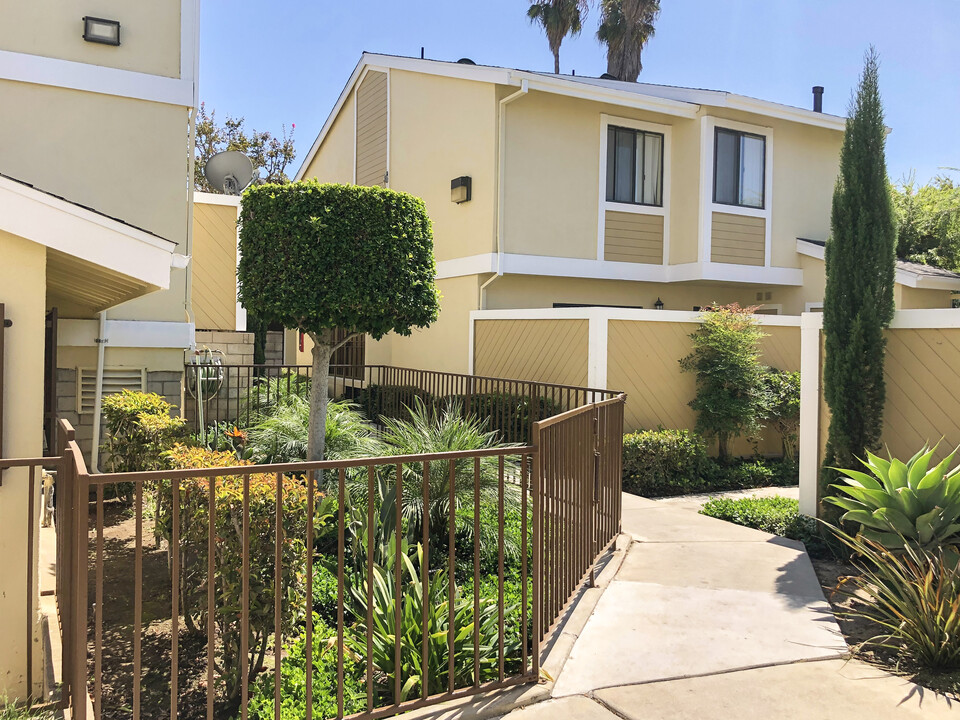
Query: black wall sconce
99,30
460,189
658,305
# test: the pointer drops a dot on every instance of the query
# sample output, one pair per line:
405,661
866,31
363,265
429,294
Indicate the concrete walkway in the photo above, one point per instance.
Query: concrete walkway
706,619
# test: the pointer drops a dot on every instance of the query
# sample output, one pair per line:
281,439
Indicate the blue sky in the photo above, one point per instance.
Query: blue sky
286,61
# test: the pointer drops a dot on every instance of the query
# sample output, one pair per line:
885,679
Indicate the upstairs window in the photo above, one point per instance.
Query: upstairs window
634,166
739,168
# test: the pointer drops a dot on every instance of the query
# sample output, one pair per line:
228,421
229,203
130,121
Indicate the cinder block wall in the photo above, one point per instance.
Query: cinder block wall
237,349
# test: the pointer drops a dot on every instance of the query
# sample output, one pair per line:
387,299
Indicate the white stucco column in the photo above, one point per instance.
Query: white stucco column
599,322
810,327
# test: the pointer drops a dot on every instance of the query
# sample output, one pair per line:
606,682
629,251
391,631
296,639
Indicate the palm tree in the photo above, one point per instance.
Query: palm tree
625,27
558,18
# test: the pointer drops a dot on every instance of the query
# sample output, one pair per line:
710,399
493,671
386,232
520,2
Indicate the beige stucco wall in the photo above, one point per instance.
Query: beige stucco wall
908,298
214,266
149,32
538,291
334,159
23,292
428,149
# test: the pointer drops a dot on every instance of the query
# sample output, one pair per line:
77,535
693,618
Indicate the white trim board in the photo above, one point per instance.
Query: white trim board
127,334
207,198
611,313
78,232
552,266
904,276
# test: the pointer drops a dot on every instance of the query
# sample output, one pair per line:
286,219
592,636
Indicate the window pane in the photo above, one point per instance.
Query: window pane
751,171
611,161
652,163
626,159
727,170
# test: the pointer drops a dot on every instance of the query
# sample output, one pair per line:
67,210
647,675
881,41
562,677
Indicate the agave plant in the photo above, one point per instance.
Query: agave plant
899,504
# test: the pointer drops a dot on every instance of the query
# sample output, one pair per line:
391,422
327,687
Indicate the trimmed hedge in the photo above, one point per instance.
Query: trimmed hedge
664,462
659,463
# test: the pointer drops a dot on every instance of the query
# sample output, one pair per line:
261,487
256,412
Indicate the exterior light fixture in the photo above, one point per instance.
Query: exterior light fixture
658,305
99,30
460,189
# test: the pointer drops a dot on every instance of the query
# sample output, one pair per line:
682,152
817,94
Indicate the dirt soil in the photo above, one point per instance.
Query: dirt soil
858,632
118,624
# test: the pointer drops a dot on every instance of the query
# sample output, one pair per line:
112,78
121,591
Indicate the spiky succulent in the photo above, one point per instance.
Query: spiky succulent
899,503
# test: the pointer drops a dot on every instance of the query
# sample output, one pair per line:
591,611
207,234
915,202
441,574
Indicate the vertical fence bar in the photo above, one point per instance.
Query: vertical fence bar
524,616
81,582
370,530
31,520
425,577
398,594
500,623
535,491
476,571
245,602
277,592
174,598
341,515
311,479
98,614
211,581
451,570
137,598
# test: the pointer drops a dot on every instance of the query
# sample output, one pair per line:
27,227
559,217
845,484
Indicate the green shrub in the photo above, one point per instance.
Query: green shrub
378,401
903,502
775,515
781,408
664,462
228,524
510,415
268,392
139,429
325,593
754,473
912,593
730,378
293,680
281,435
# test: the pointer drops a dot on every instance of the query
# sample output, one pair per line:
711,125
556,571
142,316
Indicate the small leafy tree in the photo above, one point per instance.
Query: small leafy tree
858,301
324,257
782,407
269,154
726,361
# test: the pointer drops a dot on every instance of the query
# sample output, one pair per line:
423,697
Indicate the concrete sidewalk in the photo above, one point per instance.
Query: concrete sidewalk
706,619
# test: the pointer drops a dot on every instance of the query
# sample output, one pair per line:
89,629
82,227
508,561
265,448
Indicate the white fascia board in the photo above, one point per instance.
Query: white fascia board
216,198
127,334
40,70
611,313
810,249
621,98
472,265
78,232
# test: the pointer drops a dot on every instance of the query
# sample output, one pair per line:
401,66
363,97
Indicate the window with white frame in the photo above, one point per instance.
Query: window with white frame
634,166
739,171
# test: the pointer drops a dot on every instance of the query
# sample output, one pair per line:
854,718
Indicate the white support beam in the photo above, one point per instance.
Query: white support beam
810,327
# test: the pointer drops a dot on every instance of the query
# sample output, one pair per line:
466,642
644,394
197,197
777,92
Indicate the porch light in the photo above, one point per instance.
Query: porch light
99,30
460,189
658,305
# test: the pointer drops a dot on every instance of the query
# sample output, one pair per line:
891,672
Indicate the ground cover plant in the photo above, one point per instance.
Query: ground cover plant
775,515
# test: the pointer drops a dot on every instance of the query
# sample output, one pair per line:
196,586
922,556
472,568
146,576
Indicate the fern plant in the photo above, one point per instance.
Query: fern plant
903,504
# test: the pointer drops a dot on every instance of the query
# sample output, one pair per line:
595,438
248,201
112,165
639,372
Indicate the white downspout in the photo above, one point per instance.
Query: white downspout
98,393
501,155
188,290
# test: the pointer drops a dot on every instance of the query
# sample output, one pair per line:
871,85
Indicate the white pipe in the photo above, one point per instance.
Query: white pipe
98,393
501,156
188,290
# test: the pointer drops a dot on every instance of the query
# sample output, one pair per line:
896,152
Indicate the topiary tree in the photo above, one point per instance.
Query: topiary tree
320,257
730,379
860,264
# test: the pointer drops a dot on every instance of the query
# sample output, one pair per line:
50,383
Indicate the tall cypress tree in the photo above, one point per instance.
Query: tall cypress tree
860,265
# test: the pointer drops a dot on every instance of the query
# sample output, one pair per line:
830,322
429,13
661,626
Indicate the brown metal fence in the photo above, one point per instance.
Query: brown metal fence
240,547
510,406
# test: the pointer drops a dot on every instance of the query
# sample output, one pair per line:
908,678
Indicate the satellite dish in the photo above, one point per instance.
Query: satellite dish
229,172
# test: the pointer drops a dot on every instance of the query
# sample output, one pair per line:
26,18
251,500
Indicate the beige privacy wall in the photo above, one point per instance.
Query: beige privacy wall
923,389
215,266
644,361
552,351
372,129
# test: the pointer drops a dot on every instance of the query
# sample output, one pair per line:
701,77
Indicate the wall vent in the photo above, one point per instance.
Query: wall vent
114,380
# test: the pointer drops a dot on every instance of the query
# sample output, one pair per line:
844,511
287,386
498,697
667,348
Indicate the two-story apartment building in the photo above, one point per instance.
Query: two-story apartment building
96,117
555,190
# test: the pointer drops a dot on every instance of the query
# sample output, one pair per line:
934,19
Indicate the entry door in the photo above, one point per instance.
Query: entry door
50,384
